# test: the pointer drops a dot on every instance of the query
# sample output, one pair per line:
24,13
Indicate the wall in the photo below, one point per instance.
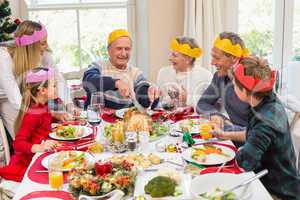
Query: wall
18,8
166,18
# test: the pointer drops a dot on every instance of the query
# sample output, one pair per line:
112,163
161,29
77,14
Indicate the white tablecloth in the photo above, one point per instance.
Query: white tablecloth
27,186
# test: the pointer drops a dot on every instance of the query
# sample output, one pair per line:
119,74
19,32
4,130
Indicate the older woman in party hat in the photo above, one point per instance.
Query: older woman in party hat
183,77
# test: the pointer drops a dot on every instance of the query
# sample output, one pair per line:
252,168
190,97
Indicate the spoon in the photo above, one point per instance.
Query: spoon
244,183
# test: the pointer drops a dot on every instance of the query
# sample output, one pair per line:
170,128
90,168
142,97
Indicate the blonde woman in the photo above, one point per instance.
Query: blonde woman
189,80
30,46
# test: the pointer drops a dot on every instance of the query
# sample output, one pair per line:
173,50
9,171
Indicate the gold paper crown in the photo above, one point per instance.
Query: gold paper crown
117,34
185,49
226,46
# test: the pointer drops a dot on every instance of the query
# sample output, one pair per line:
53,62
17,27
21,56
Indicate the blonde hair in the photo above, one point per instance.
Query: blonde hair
26,57
28,97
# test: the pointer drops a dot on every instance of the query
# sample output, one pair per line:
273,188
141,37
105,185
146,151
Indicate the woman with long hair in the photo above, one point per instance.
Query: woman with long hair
27,53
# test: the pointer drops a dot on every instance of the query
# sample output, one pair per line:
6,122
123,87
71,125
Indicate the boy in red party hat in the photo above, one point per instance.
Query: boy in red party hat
268,139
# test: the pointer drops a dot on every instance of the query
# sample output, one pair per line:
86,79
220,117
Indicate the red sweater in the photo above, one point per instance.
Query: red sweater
35,128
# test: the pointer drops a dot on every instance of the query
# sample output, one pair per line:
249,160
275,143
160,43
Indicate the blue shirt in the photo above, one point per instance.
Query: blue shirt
221,92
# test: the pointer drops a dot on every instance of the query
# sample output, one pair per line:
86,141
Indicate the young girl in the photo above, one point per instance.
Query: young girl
268,139
33,123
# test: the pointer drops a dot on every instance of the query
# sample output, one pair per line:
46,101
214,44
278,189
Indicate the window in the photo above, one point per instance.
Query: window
296,32
78,29
271,29
256,26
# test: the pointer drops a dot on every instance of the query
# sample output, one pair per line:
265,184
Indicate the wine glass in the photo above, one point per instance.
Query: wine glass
93,116
97,98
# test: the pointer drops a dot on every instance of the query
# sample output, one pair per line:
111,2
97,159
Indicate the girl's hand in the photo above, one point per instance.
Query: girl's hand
60,116
49,145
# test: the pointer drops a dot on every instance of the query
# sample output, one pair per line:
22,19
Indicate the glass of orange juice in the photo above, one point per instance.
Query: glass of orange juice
55,174
205,129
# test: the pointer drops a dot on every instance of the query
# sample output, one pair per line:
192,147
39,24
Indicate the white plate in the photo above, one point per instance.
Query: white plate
224,181
212,159
87,156
86,132
194,129
120,113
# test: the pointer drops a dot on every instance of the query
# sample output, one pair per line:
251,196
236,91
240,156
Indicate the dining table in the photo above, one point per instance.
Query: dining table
35,184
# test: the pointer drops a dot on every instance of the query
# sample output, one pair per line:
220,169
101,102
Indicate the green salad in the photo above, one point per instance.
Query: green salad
66,131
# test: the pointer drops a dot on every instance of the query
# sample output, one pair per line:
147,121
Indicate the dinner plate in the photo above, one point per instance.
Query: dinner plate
86,132
121,112
195,128
224,181
211,159
88,157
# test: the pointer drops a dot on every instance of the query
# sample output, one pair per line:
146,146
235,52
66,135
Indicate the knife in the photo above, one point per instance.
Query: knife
136,103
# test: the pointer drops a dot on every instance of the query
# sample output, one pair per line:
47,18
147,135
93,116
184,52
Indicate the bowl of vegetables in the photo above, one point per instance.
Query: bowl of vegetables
213,186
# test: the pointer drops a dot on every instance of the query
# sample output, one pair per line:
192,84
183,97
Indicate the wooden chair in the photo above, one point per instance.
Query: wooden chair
5,145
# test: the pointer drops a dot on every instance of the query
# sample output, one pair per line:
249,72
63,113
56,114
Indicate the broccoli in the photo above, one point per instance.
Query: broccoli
160,186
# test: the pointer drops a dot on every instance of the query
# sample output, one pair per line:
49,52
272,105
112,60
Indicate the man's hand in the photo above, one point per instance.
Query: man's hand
218,121
153,93
124,88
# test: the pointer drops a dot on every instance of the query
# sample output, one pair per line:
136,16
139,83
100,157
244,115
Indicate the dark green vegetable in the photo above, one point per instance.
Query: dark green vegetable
160,186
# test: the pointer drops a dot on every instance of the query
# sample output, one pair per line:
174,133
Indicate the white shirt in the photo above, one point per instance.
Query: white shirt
194,81
8,85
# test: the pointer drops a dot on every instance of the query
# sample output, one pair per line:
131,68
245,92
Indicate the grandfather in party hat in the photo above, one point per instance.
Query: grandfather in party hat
115,79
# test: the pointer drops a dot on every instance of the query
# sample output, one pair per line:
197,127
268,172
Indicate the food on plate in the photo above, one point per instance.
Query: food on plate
188,124
218,194
171,173
137,123
154,159
200,153
160,186
69,131
138,159
71,159
104,177
96,148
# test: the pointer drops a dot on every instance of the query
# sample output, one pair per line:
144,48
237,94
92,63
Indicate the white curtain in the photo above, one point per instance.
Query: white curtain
205,19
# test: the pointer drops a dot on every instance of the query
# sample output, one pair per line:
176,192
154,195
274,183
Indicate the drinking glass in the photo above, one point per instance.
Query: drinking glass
143,137
55,174
93,116
97,98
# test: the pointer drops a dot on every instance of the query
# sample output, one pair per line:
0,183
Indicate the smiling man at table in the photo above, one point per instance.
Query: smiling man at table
228,49
116,79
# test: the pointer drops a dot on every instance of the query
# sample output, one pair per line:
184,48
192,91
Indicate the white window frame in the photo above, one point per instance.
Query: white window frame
283,35
129,5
